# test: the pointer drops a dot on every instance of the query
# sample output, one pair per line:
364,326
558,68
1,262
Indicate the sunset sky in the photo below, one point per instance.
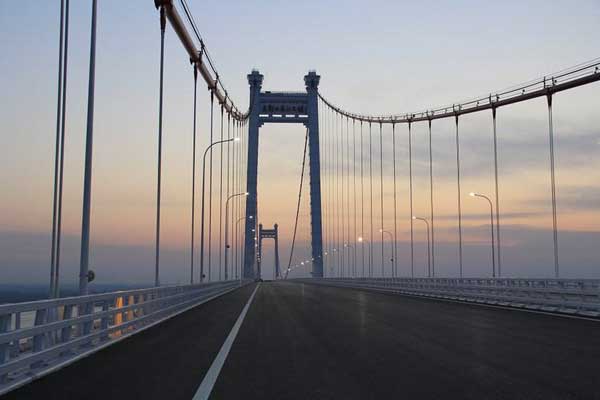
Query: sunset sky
384,57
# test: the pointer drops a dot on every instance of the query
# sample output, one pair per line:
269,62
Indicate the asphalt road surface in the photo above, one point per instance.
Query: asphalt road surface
302,341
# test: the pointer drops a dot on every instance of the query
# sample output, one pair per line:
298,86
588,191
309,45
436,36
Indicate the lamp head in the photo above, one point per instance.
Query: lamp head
237,139
472,194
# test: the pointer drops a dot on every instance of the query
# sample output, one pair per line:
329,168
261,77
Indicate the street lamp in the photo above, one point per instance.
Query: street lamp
325,254
391,246
349,246
472,194
335,262
227,226
237,267
363,240
202,219
428,245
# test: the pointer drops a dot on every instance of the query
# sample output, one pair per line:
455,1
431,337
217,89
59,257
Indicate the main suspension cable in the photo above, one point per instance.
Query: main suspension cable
578,75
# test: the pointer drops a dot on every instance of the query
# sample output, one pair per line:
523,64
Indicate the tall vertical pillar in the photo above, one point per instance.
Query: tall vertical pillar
277,270
255,80
312,83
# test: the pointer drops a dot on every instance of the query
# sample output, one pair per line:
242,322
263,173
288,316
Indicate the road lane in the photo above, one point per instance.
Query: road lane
205,388
167,361
303,341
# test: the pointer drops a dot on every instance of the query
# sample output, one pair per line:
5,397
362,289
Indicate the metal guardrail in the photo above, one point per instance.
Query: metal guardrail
568,296
39,337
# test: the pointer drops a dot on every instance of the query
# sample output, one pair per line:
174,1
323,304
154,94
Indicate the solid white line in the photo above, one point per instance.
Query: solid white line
62,364
211,376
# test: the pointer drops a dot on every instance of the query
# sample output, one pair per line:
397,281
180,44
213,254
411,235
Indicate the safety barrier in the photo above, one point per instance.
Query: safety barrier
568,296
41,336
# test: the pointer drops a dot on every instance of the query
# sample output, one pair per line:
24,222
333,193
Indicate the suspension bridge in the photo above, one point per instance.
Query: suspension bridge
362,315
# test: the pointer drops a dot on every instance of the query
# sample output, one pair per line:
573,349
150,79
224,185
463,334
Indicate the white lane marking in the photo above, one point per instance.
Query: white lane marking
211,376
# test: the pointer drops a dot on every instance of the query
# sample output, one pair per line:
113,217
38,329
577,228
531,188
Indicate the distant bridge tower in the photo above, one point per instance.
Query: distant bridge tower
277,107
268,234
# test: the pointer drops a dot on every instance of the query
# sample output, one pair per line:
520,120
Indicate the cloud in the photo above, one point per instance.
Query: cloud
521,145
583,197
486,216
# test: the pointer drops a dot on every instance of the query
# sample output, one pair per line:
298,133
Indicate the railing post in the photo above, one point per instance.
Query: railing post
4,347
147,308
39,339
86,309
104,320
66,332
130,301
14,346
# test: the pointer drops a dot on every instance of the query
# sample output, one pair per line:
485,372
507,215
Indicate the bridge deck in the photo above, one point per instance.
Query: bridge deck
300,341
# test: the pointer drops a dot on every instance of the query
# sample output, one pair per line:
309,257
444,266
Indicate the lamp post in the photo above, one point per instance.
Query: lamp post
428,245
334,251
331,263
236,236
84,273
227,226
349,246
472,194
363,240
288,270
202,219
391,246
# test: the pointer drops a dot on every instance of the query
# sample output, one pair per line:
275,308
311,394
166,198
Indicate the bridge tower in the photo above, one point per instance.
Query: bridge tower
283,107
268,234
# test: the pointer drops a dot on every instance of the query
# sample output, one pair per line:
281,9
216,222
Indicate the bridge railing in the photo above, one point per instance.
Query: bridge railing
40,336
570,296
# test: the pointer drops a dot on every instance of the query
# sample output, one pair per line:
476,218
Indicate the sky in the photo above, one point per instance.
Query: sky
387,57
